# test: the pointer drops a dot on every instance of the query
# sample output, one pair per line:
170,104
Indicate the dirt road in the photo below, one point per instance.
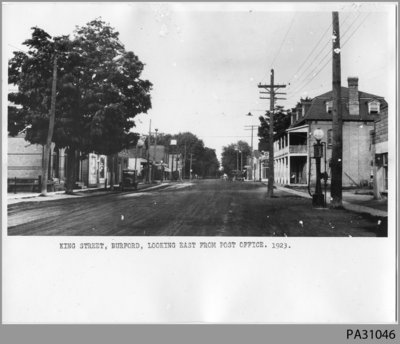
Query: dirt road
201,208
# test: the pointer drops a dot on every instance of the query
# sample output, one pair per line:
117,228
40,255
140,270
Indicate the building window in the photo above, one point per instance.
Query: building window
329,138
371,138
329,106
374,107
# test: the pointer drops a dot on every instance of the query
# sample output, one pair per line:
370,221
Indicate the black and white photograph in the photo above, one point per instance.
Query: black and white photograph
207,137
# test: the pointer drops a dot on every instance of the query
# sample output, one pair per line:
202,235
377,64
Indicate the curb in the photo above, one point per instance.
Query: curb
90,192
347,205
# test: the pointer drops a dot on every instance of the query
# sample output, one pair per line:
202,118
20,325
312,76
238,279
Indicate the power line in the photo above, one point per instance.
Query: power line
329,60
313,49
313,73
356,29
284,39
276,55
23,51
327,54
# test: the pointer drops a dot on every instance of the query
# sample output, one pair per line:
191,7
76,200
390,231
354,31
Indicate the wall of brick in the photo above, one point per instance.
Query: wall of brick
357,151
381,127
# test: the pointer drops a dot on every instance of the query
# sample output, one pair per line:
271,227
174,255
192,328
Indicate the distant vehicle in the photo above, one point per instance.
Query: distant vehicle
237,175
129,180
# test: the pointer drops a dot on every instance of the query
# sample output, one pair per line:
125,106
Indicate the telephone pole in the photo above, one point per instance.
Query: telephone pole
337,127
272,99
47,146
251,127
190,166
148,155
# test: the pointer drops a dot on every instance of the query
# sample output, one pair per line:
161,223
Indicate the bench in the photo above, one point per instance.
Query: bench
27,184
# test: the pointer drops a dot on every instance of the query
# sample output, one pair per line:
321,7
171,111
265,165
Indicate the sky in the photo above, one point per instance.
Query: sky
205,60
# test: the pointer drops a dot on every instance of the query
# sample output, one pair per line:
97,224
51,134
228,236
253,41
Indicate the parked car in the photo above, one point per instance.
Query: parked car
129,180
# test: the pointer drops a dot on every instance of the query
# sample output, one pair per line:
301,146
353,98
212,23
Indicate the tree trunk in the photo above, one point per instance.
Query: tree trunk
71,177
112,174
47,146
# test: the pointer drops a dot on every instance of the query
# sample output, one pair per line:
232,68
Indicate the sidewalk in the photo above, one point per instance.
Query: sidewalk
88,192
360,203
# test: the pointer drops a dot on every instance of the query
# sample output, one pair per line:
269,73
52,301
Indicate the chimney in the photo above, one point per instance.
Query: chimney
354,104
305,106
293,116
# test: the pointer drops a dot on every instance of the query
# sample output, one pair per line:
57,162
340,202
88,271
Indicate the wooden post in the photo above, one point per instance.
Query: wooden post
271,138
47,146
337,126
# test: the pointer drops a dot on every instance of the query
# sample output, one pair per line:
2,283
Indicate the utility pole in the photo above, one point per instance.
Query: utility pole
184,164
271,91
190,167
337,126
155,154
237,159
148,155
251,127
47,147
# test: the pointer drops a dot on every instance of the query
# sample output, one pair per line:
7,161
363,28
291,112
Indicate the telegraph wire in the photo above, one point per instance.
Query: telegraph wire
313,73
283,41
327,54
329,60
356,29
276,55
314,48
23,51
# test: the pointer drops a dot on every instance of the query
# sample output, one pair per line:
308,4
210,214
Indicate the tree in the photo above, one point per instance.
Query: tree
39,69
207,164
204,159
281,123
99,92
231,159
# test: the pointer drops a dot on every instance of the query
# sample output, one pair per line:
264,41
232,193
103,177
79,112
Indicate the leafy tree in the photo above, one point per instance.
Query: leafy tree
231,159
204,159
281,123
99,92
207,165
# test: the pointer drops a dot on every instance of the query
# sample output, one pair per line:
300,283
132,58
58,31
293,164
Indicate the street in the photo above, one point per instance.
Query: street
198,208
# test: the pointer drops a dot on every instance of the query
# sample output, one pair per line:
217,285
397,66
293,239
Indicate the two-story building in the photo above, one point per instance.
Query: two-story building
293,152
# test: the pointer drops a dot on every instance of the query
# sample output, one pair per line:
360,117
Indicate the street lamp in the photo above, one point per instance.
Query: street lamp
318,197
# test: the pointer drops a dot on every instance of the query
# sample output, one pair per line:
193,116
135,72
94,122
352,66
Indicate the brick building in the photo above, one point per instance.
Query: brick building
293,151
